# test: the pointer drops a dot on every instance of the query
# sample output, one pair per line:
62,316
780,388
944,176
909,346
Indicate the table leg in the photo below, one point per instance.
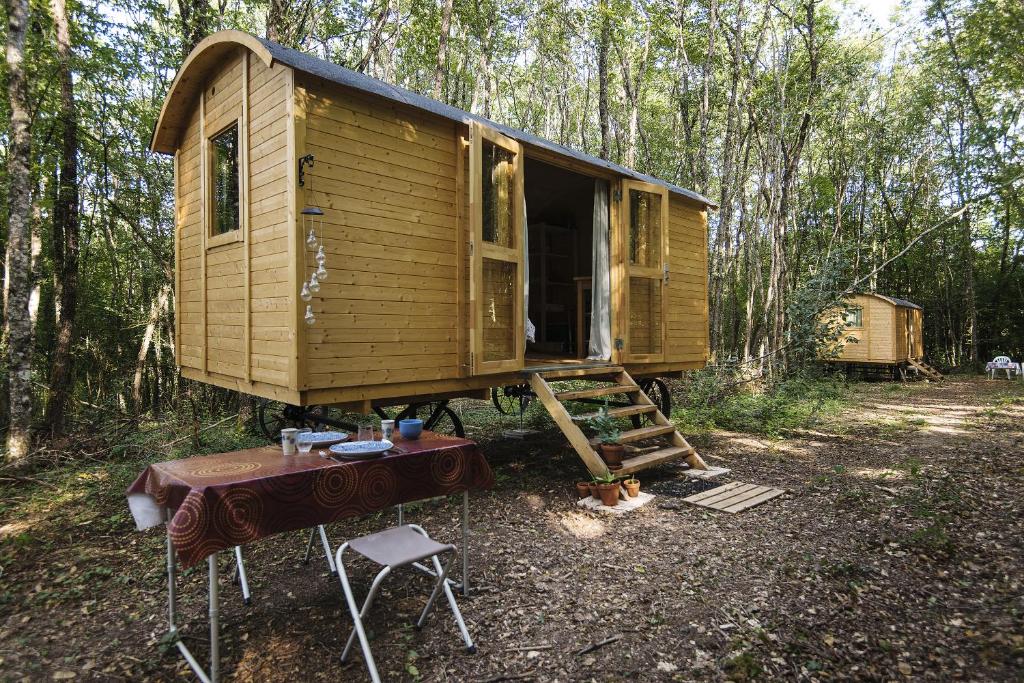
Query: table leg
172,615
172,597
214,621
465,543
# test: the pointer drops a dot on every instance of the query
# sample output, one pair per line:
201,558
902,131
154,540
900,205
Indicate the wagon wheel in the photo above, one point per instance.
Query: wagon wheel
658,392
274,417
437,417
512,399
321,419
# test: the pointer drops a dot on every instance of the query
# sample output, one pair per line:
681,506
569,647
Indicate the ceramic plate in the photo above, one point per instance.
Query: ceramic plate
322,439
361,449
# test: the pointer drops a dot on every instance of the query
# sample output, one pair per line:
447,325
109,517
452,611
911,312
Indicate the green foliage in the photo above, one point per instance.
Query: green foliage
606,430
710,402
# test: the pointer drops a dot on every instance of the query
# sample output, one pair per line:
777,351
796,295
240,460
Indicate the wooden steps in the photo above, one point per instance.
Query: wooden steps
618,412
645,433
652,458
595,393
925,369
639,405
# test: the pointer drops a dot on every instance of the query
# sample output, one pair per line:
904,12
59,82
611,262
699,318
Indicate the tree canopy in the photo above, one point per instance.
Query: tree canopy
843,154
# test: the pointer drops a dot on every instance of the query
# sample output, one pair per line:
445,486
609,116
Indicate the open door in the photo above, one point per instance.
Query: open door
643,255
498,335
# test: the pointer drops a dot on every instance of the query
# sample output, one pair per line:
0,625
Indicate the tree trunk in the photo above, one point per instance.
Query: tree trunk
604,42
196,22
442,50
17,321
156,309
65,230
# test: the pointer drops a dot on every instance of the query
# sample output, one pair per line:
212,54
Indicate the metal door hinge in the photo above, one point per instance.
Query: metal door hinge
666,273
471,247
617,195
472,360
619,344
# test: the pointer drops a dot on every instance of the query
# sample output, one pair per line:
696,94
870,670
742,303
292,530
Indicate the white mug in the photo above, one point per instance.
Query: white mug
288,440
387,429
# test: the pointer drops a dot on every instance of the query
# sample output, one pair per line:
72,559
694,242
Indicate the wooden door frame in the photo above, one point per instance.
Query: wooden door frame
622,271
478,249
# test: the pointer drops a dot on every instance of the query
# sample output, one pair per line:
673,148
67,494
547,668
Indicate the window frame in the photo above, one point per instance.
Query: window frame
236,234
859,311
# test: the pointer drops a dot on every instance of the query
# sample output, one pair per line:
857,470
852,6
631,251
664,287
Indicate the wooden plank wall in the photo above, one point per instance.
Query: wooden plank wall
225,277
224,333
857,339
270,287
687,333
385,178
189,219
882,330
917,350
900,348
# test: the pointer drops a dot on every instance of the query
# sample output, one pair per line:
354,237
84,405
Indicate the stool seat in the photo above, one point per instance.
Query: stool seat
397,547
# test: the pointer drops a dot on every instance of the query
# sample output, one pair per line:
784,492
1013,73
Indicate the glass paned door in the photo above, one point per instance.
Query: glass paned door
497,334
644,224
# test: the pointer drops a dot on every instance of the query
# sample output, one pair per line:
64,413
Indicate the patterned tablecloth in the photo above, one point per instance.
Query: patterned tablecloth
1013,367
230,499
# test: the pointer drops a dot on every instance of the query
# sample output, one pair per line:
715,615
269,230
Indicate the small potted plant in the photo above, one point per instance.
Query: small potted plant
632,487
608,434
608,488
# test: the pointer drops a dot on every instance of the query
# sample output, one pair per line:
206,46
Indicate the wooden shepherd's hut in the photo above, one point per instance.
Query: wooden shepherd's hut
882,332
457,254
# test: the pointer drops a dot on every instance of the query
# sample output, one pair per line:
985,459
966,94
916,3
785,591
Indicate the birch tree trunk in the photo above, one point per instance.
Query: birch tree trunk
18,323
65,230
156,309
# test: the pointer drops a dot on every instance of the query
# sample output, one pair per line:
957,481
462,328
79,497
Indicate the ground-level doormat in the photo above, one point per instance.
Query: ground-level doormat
734,497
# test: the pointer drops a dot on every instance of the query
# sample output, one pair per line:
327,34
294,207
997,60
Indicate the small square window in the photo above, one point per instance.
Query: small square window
225,188
855,317
644,228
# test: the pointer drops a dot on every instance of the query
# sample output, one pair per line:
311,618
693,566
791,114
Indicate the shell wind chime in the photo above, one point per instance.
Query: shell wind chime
313,228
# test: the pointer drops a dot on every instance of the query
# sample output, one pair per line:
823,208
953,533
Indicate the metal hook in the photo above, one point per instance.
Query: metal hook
303,162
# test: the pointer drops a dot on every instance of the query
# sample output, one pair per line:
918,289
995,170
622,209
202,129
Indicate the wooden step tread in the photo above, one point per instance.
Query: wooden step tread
645,433
652,458
618,412
572,372
594,393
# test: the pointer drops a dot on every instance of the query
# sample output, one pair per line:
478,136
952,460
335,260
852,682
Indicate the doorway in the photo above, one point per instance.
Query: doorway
560,231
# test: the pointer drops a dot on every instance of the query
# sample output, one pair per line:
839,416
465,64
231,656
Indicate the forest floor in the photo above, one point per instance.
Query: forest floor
897,553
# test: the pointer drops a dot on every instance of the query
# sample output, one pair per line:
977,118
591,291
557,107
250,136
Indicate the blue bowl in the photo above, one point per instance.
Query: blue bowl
410,429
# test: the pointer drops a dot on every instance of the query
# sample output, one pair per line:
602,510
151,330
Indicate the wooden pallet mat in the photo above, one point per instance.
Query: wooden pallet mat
734,497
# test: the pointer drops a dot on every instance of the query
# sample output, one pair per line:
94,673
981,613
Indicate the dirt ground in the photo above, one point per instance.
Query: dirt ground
897,553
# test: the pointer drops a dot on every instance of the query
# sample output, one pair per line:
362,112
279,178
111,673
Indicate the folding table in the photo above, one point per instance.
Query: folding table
230,499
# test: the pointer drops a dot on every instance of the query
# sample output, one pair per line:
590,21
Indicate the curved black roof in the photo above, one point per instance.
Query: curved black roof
335,73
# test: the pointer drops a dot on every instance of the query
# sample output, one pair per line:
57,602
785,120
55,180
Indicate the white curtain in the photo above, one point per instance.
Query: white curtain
531,331
601,290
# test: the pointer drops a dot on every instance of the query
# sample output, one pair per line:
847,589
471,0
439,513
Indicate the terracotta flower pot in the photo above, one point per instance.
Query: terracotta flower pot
593,491
582,489
609,494
632,487
612,454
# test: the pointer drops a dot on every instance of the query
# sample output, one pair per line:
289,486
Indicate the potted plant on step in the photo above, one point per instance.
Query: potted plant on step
608,488
632,487
608,434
